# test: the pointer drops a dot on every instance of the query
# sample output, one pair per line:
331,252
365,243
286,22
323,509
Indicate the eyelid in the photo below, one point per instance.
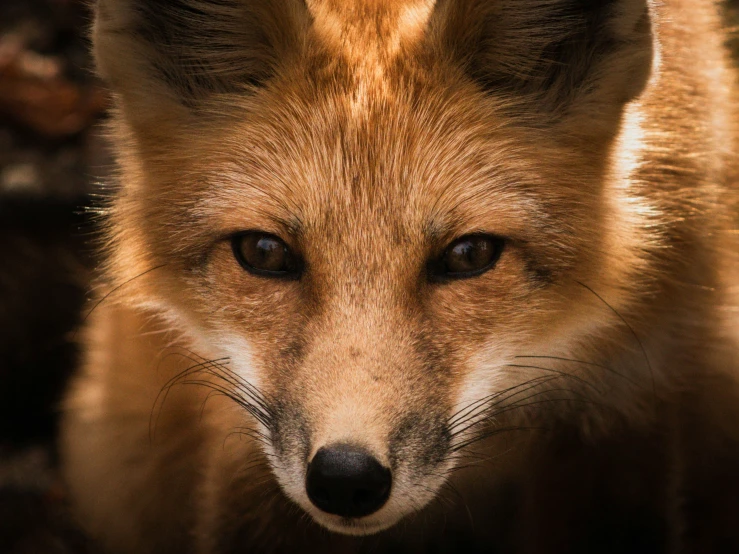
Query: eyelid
277,233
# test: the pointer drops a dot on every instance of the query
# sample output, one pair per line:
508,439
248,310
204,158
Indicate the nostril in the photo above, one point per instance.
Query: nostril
347,481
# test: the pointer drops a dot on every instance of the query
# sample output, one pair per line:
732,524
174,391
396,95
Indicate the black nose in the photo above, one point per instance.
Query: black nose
347,481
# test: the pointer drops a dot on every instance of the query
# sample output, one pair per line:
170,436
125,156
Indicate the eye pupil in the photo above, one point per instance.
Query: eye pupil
269,254
468,255
264,254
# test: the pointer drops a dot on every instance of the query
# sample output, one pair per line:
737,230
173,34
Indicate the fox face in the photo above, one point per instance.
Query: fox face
398,225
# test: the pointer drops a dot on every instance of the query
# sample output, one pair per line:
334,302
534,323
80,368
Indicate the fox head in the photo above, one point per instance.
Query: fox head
403,224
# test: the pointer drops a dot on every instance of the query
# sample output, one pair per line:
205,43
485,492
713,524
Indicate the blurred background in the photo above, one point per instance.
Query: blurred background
52,156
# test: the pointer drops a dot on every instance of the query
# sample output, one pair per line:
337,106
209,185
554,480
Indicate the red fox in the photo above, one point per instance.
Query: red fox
457,274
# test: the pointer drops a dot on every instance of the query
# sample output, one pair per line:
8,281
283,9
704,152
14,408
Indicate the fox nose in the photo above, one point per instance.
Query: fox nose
347,481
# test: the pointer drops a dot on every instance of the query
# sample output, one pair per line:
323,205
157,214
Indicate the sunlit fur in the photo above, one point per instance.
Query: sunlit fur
598,138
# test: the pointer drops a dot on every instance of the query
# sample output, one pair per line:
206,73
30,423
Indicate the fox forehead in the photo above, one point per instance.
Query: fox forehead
401,177
425,167
369,126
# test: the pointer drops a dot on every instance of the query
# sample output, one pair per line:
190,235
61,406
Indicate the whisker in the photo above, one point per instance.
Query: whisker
558,372
460,416
163,394
254,402
255,431
205,401
592,364
633,333
498,431
516,406
114,290
253,410
487,417
495,399
522,403
234,379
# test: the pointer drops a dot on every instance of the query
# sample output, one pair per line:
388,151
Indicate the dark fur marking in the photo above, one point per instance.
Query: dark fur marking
198,49
421,437
565,67
290,430
294,350
539,275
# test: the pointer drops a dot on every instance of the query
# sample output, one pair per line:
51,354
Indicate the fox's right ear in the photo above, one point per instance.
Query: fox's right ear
174,54
574,63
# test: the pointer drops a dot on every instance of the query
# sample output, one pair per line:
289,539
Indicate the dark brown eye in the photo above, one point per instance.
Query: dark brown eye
265,254
468,256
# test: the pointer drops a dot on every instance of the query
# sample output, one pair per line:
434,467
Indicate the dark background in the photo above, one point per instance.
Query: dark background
52,154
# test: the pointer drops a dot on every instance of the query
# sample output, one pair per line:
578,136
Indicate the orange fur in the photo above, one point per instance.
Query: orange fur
597,138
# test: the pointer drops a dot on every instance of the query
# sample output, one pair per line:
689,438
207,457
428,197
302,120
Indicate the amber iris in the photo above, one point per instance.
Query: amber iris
467,256
265,254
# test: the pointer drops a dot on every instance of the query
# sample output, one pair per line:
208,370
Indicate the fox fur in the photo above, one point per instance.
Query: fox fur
580,396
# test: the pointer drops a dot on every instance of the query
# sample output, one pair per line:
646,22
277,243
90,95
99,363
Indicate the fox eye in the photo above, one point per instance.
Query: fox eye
265,254
468,256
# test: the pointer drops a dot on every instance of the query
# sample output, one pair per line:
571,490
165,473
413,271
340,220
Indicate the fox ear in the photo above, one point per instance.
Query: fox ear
187,50
561,57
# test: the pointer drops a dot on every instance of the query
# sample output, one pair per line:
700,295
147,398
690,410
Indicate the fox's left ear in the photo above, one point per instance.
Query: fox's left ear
560,58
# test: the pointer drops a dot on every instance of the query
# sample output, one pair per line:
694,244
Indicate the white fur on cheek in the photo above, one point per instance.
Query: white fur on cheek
486,377
240,357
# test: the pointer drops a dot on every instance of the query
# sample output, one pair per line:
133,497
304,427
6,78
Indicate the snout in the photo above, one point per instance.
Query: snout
362,482
347,481
355,451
